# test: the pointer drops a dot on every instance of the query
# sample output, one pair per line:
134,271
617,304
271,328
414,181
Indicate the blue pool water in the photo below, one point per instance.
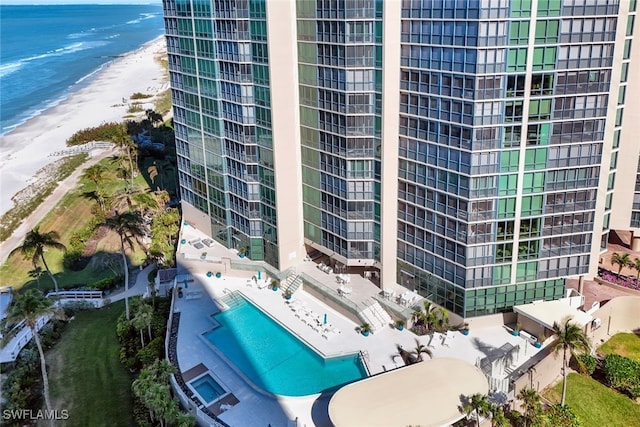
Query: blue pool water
207,388
275,360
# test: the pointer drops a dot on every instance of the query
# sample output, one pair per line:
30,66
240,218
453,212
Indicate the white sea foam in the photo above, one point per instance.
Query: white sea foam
142,17
6,69
29,114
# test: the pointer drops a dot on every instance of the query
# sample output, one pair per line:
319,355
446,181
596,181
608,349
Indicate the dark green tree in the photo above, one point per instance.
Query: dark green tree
532,406
29,307
571,339
130,228
34,246
622,260
477,404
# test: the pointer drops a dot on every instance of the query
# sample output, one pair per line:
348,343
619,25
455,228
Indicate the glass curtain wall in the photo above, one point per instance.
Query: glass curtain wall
219,71
340,79
503,111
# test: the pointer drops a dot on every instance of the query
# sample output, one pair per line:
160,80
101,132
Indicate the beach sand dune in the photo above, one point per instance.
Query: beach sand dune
29,147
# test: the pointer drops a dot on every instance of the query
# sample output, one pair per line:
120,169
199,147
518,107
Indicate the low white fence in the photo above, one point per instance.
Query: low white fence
84,148
10,352
94,298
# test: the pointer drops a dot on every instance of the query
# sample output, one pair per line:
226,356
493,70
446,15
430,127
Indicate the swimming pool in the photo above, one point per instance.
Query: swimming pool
208,388
275,360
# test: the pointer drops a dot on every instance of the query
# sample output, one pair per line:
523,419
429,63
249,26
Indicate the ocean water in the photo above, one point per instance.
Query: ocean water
49,51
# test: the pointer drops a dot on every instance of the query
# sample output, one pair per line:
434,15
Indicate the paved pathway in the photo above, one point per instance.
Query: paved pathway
49,203
138,287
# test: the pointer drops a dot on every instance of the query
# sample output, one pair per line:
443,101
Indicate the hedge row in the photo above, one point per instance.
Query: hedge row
623,374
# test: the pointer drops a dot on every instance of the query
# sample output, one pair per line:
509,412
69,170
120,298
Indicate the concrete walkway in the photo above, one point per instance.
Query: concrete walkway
139,287
47,205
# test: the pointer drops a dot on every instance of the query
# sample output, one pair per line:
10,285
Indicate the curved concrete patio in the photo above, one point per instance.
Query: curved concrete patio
426,394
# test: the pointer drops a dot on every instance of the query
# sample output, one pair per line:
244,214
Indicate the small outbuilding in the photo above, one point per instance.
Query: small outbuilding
537,318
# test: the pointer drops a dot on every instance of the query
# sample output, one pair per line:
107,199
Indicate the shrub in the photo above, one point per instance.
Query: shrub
623,374
77,242
586,363
51,332
138,95
135,108
420,329
71,257
105,284
163,102
154,350
21,388
131,353
104,132
73,307
141,414
560,416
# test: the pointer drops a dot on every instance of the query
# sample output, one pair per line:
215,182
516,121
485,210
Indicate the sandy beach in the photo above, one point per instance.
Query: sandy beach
29,147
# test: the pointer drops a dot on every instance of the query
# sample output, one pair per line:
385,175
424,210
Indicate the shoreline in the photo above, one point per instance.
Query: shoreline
95,99
76,86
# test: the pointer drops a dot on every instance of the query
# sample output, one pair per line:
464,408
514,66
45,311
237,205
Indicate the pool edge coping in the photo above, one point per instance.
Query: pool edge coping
242,375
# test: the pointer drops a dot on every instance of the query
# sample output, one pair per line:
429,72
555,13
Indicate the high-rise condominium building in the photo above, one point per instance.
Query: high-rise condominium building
468,149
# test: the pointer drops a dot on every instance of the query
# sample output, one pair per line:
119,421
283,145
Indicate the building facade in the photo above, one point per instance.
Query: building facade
466,149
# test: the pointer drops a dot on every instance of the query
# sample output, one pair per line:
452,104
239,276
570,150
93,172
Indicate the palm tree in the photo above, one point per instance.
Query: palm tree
442,319
427,316
95,174
34,245
636,266
419,350
141,389
498,417
134,197
29,307
478,404
152,388
162,198
407,357
130,227
170,220
145,314
571,339
36,273
139,323
622,260
124,141
531,403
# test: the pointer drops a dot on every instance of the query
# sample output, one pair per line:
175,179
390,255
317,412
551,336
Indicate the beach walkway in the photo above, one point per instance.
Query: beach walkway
47,205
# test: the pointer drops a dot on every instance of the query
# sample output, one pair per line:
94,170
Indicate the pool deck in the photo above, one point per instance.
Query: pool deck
258,408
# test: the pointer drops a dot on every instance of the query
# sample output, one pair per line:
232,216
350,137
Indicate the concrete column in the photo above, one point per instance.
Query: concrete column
285,116
390,126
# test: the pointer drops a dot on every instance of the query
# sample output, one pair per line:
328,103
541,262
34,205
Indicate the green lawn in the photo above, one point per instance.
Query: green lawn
595,404
72,213
625,344
85,373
